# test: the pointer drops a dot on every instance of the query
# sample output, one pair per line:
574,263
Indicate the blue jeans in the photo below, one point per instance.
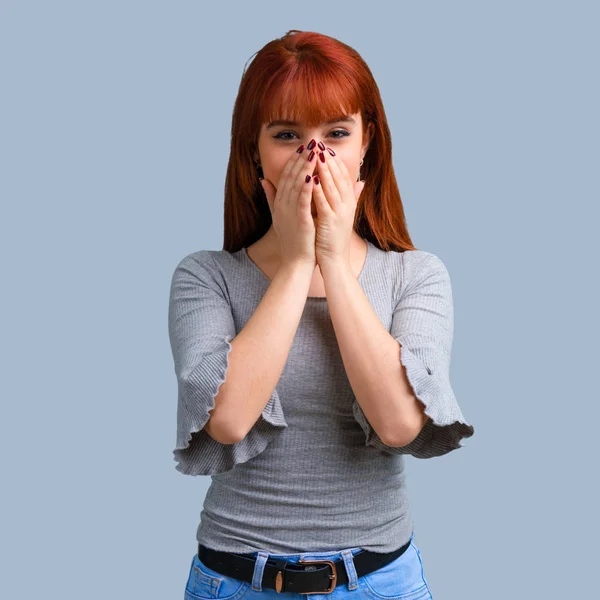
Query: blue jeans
401,579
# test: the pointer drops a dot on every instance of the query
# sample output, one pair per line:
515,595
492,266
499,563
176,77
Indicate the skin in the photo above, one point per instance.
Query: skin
349,141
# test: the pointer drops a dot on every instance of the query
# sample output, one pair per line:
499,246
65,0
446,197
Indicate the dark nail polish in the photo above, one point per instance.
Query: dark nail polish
322,156
311,144
307,178
322,145
311,155
330,151
300,148
316,178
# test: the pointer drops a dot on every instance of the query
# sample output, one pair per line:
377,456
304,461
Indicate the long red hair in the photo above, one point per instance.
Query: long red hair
312,77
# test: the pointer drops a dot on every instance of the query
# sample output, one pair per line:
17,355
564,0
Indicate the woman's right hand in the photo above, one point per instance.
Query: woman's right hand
290,205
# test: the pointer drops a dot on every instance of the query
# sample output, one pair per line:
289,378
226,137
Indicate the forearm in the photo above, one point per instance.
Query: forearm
259,353
371,358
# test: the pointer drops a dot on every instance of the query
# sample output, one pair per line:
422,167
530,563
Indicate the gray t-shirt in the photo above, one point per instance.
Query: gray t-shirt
311,475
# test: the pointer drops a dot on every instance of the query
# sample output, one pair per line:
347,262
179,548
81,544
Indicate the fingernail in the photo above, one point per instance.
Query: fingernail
316,178
330,151
311,155
322,145
307,178
322,156
311,144
300,148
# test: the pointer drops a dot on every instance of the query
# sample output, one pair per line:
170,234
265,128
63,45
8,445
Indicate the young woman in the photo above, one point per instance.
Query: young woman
312,353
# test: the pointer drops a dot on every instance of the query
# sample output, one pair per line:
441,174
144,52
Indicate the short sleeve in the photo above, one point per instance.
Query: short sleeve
423,324
201,328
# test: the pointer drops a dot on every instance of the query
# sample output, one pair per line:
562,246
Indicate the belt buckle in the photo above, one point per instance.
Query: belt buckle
333,576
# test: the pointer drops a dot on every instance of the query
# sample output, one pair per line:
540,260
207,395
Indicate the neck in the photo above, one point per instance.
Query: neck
271,248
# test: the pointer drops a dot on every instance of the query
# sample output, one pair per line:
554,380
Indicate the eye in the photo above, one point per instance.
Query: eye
281,135
342,131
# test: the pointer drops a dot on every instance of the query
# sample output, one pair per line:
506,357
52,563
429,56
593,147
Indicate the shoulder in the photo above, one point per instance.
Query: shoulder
200,259
415,268
408,261
198,264
208,261
210,268
420,263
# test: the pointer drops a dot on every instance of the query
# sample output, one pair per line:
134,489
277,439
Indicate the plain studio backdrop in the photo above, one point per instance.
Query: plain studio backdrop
114,138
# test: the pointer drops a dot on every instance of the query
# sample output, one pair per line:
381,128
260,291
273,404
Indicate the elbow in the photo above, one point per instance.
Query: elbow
220,432
220,425
408,430
399,441
228,428
405,434
394,440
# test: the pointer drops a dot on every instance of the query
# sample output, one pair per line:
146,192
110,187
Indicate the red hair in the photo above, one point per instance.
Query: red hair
312,77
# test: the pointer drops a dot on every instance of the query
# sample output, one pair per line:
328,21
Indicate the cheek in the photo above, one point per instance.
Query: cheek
273,158
352,167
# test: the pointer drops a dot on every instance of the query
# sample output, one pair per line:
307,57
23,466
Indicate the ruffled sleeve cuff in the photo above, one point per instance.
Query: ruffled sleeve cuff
196,453
446,426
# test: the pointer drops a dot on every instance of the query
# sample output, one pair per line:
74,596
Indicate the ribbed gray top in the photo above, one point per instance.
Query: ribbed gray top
311,475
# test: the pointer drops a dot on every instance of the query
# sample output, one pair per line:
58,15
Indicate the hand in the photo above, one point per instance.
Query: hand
335,196
290,210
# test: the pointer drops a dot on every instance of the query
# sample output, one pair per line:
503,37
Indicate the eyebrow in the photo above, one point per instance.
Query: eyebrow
340,119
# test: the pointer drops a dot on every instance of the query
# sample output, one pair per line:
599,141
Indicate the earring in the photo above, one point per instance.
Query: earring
359,166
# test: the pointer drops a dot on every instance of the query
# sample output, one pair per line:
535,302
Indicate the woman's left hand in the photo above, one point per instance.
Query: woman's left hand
336,197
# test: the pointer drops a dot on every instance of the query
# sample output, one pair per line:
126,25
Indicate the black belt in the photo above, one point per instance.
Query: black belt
285,576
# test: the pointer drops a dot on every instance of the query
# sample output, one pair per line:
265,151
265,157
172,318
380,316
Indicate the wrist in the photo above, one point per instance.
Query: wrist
337,264
297,269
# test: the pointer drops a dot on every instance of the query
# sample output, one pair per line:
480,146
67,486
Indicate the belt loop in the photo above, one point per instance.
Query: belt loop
350,569
259,568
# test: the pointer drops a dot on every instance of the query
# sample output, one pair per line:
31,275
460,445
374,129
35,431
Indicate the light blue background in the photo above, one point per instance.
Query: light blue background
114,139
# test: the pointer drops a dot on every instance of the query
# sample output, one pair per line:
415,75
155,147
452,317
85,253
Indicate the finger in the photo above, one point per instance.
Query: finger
287,176
318,195
341,164
326,180
303,168
340,178
305,197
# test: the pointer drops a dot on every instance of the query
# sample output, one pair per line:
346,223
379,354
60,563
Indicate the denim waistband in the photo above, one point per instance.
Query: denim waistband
345,554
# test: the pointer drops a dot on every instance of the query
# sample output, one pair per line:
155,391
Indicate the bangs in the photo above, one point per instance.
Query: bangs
312,94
